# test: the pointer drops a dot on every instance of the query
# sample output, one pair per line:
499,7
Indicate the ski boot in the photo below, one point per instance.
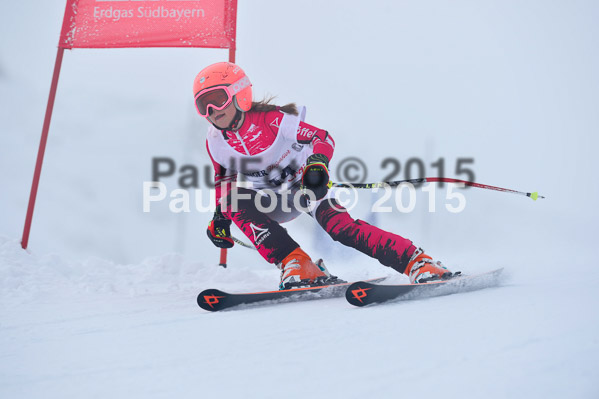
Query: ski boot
298,270
421,269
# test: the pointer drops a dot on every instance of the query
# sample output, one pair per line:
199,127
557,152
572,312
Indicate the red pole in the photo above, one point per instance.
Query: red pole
223,251
42,149
223,257
232,44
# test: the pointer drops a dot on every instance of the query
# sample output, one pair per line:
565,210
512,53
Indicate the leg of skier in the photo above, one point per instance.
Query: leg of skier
271,240
389,249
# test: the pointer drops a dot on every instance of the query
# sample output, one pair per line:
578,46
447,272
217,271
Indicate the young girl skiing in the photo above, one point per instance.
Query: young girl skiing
286,161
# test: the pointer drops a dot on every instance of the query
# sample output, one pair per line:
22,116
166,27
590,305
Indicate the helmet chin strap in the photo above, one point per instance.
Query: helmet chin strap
234,122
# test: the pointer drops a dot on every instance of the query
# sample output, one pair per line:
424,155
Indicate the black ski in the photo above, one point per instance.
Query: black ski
213,300
365,293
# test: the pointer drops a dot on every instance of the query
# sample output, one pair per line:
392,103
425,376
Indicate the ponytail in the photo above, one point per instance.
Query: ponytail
266,106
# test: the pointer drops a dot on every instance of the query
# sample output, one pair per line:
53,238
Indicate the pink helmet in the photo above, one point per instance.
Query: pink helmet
225,74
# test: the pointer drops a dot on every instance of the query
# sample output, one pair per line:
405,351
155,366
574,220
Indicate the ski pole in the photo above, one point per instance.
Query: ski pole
535,195
243,244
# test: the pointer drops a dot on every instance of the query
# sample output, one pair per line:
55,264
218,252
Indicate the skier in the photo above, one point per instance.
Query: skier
276,150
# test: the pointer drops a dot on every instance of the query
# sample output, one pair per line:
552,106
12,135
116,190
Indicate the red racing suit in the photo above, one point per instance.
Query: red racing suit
280,144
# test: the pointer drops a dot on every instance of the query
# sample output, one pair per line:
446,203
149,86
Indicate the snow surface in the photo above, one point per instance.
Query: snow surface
103,302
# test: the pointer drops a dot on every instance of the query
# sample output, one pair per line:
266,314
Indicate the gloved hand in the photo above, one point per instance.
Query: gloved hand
316,175
219,230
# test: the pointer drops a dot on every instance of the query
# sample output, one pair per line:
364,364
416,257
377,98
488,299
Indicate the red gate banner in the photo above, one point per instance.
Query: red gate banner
149,23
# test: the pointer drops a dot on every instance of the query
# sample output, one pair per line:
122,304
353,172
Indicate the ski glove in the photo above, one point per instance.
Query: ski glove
219,230
316,175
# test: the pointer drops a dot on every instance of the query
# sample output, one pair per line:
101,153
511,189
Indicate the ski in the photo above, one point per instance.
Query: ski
214,300
364,293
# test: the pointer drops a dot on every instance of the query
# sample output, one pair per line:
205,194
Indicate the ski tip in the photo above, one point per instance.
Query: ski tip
357,293
212,300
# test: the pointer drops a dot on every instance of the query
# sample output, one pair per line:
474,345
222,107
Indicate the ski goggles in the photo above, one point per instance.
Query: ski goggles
219,97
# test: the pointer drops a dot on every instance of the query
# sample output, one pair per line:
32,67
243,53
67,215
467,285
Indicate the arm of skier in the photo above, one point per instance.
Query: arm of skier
219,228
316,173
320,140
